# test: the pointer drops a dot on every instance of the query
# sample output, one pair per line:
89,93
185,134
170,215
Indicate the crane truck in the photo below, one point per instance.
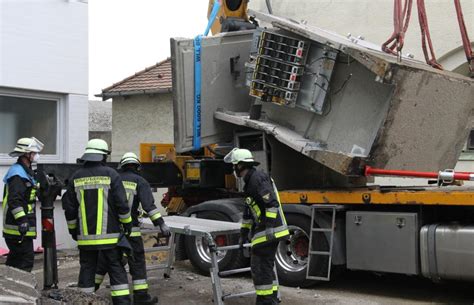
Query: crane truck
316,109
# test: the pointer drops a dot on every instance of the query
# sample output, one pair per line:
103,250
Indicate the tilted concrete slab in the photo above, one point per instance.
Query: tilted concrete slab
384,113
17,286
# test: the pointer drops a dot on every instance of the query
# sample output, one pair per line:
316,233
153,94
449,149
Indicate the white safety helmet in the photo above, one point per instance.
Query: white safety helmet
237,155
129,158
26,145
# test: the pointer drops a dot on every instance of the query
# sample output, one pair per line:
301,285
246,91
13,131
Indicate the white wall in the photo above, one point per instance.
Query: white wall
44,45
77,127
44,49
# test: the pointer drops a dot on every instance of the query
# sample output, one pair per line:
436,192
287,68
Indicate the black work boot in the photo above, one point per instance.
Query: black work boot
143,298
276,300
264,300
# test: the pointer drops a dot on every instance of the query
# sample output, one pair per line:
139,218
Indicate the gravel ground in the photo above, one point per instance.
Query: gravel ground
185,287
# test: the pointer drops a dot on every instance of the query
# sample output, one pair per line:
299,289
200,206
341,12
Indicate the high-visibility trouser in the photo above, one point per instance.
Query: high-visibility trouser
137,267
119,289
21,255
278,232
263,275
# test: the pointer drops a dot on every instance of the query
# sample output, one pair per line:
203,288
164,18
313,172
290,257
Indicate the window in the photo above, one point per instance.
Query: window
30,115
470,141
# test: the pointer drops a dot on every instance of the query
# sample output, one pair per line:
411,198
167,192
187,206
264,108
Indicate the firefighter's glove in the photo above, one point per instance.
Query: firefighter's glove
165,230
127,228
270,234
23,228
242,241
244,237
73,233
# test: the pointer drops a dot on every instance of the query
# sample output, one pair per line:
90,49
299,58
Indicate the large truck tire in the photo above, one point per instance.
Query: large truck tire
197,247
292,254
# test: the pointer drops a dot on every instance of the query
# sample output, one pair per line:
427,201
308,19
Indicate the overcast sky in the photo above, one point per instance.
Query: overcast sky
126,36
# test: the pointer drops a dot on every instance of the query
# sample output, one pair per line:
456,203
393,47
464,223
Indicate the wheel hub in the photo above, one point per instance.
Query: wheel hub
292,254
202,247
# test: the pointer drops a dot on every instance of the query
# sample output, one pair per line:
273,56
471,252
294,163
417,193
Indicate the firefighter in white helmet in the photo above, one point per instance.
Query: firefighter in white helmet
263,221
19,200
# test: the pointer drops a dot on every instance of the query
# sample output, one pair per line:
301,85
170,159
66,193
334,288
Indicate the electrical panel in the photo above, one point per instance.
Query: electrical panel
279,66
279,72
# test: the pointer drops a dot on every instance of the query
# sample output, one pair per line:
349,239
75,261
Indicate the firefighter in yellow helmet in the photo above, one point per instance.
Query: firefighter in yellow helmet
263,221
19,200
97,213
139,197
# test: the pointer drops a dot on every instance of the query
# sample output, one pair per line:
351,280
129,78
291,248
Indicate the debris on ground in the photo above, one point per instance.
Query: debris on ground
72,296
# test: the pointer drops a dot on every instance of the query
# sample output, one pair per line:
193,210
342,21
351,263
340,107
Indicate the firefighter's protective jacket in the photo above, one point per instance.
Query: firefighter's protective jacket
19,200
139,194
263,214
95,204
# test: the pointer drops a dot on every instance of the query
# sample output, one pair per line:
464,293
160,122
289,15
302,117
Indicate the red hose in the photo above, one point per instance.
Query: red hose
442,175
370,171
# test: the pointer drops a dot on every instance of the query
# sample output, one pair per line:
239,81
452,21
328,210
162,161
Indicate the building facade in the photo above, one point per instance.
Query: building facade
44,81
142,109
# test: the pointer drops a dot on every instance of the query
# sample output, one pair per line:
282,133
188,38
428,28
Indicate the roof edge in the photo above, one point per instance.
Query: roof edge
106,95
136,73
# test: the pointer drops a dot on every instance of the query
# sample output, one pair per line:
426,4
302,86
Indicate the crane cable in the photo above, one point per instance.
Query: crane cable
426,43
401,20
465,38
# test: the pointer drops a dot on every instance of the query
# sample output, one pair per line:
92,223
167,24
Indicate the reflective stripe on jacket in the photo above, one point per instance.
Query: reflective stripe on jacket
19,201
95,204
263,214
140,199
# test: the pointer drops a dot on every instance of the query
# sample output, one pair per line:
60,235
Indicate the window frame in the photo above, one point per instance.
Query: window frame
469,145
60,100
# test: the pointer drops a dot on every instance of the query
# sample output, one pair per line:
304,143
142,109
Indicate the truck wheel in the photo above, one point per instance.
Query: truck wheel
292,254
198,253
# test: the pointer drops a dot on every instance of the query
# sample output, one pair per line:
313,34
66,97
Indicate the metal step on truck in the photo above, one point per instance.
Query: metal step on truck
316,109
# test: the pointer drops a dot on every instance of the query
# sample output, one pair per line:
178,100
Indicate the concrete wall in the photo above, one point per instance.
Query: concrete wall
104,135
100,121
138,119
44,51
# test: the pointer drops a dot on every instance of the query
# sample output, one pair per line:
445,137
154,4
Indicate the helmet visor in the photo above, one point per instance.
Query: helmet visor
229,158
35,145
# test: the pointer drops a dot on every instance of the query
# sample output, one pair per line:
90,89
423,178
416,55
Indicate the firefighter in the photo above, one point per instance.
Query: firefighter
19,217
263,220
97,214
140,198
